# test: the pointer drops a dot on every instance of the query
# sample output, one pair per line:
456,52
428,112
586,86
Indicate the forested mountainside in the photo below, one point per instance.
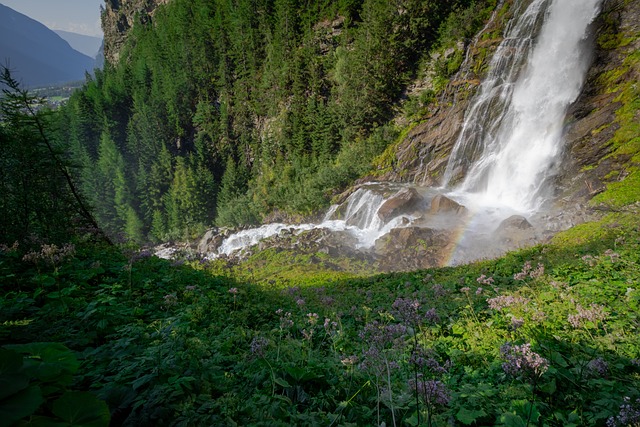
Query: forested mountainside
228,112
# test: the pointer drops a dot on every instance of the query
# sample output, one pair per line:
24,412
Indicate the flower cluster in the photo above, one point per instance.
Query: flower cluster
629,414
51,254
233,291
516,323
381,338
439,291
5,248
330,327
613,256
529,271
598,367
170,299
520,360
407,310
432,392
312,318
484,280
504,301
285,319
594,314
258,346
422,360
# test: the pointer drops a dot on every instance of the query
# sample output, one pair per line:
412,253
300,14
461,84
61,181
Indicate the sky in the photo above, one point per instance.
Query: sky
77,16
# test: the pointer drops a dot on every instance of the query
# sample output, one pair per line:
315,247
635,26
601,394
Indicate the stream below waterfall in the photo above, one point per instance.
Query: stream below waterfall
498,183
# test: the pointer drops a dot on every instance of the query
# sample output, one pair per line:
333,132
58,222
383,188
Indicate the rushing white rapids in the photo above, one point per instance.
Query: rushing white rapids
359,219
512,133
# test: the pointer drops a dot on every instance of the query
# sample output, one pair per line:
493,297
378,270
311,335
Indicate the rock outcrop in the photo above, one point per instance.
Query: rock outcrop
443,204
413,248
118,17
401,203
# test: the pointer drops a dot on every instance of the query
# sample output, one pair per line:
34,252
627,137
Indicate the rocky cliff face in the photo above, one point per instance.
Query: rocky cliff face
592,122
118,18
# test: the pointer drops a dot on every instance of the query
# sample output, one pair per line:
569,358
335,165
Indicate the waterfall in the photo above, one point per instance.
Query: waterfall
512,137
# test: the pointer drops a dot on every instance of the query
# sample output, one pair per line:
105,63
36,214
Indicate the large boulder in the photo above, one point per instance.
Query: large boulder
413,248
402,202
211,241
443,204
516,232
516,222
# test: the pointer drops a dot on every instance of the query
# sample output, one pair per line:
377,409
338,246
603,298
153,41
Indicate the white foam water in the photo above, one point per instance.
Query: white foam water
512,137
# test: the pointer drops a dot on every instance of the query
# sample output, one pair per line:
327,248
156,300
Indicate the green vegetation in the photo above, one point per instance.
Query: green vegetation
225,112
545,336
93,334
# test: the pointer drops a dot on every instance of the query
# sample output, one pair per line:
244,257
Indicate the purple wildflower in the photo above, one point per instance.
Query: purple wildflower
312,318
629,414
613,256
465,290
479,291
233,291
438,290
258,346
432,392
484,280
504,301
349,361
285,319
520,360
594,314
407,310
301,302
528,271
598,367
170,299
516,323
432,316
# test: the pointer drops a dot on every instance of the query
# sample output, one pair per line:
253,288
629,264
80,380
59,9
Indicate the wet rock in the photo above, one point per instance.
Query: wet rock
413,248
516,232
442,204
515,222
401,203
212,240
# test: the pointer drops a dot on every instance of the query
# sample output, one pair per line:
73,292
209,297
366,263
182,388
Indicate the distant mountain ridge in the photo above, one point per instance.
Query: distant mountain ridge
36,55
87,45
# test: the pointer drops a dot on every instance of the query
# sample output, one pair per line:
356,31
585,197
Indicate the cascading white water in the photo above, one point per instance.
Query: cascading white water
512,134
359,218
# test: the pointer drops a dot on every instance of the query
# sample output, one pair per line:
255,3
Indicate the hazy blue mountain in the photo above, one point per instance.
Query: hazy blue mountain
36,55
88,45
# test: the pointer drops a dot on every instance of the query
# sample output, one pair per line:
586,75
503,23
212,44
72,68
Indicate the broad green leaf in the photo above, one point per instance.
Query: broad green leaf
80,408
48,361
20,405
12,383
40,421
549,387
468,416
282,382
511,420
10,361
